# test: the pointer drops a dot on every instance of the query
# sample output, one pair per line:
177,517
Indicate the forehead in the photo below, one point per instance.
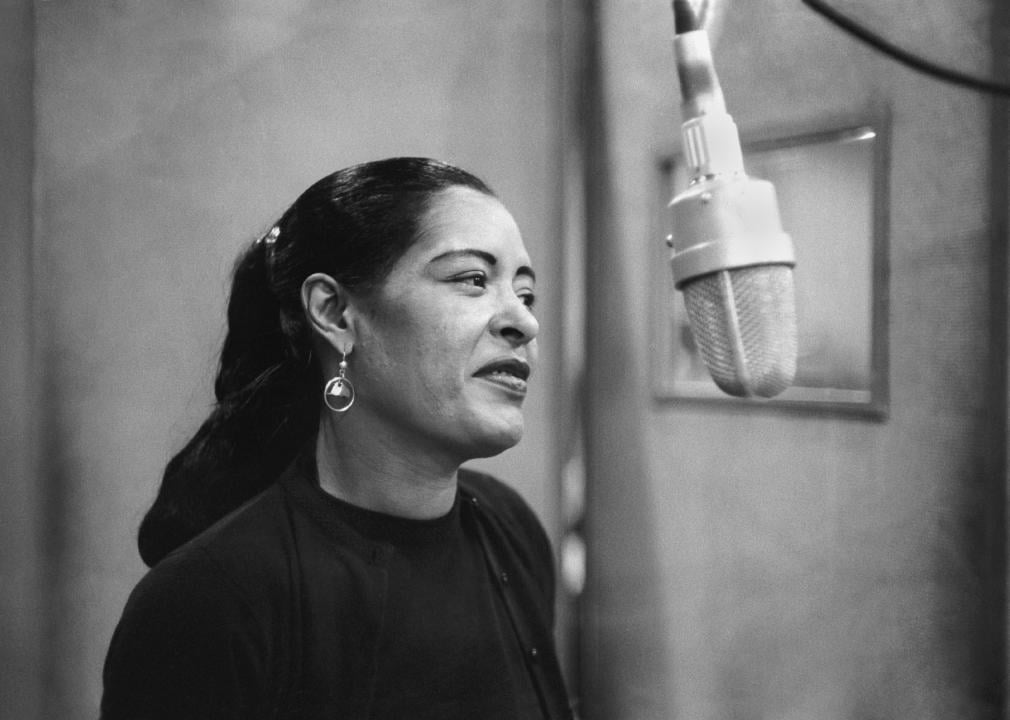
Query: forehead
461,219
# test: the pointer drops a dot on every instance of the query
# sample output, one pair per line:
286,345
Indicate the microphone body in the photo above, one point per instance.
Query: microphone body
731,257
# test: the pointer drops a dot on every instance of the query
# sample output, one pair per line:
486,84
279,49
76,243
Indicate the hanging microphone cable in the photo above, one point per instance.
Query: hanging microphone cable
882,44
731,258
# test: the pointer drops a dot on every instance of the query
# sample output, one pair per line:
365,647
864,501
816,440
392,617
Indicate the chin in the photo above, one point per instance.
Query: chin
497,440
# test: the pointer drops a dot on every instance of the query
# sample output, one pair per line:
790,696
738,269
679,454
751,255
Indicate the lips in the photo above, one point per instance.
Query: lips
511,373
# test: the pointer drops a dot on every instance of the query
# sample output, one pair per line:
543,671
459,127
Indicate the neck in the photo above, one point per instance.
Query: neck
375,471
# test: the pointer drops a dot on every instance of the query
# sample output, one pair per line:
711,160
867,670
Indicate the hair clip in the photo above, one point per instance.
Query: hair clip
268,242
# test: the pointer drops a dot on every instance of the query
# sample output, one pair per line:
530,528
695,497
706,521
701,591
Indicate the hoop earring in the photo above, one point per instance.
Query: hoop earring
339,392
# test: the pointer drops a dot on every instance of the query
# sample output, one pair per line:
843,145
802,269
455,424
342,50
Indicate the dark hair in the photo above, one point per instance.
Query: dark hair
353,225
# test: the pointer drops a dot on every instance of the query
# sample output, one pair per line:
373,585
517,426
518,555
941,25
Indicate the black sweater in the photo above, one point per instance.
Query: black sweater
299,605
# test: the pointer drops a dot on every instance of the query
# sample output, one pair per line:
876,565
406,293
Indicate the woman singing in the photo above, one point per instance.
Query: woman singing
316,549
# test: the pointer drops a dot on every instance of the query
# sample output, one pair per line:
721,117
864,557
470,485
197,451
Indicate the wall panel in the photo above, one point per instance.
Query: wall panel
21,626
759,563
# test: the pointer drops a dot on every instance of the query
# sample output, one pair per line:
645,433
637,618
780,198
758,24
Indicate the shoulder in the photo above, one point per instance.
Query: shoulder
239,563
510,518
198,634
185,591
500,500
516,539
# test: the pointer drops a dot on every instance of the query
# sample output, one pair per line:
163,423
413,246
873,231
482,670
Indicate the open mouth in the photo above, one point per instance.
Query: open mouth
510,373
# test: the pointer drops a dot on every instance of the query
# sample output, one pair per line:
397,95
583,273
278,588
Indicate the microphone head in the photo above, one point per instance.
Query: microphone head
744,322
733,262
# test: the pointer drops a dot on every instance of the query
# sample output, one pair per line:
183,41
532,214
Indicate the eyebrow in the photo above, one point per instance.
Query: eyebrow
486,257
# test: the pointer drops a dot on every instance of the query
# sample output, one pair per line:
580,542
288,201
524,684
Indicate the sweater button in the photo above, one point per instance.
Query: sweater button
534,654
504,577
473,501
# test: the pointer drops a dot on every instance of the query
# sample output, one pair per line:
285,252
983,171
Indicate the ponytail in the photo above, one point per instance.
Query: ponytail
353,225
266,410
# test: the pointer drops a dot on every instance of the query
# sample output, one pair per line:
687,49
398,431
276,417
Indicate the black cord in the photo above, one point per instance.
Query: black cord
903,56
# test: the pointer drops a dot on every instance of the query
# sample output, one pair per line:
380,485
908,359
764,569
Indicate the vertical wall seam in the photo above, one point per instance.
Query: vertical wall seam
49,571
999,371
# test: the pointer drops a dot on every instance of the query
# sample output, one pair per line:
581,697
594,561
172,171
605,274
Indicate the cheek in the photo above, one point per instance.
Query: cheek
533,353
424,356
443,356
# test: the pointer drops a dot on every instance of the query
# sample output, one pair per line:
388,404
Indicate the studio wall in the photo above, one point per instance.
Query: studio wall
21,559
761,563
170,134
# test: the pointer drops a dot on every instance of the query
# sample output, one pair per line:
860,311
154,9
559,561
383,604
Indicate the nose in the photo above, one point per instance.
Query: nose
515,321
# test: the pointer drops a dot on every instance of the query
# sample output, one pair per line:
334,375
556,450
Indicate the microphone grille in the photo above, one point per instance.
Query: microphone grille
744,322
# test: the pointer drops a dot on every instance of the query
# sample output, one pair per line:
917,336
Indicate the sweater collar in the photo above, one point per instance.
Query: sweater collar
338,517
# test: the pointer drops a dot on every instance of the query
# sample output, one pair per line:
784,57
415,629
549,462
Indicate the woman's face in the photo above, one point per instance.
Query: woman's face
445,346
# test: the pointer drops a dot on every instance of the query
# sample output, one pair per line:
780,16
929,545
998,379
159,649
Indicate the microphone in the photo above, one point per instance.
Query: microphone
731,257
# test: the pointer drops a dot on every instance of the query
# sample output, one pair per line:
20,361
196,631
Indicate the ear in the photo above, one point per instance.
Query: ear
326,307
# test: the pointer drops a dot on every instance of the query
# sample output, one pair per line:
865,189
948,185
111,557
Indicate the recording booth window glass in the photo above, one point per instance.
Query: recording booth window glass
831,190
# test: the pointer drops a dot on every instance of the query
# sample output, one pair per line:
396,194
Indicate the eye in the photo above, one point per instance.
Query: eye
529,299
476,279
